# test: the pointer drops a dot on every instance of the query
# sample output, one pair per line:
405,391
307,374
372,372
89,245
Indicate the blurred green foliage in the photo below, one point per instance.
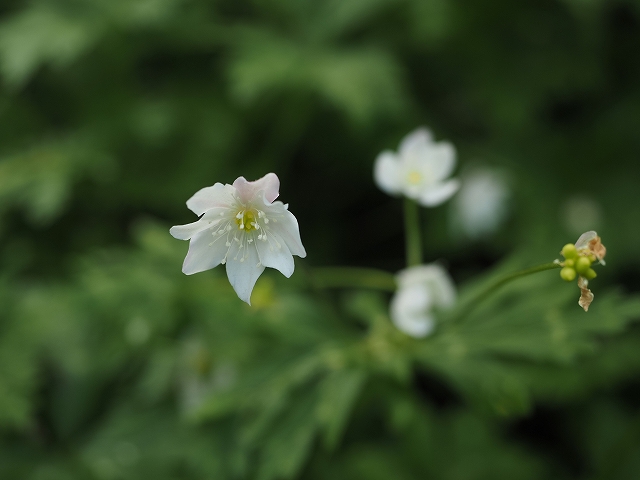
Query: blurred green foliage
114,365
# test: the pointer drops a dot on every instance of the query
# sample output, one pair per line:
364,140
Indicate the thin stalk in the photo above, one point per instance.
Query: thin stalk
351,277
498,283
412,233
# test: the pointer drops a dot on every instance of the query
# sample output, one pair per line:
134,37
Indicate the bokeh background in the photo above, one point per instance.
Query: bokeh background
114,365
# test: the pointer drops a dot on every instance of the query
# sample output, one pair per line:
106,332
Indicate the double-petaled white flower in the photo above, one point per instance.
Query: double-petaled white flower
419,170
242,226
421,289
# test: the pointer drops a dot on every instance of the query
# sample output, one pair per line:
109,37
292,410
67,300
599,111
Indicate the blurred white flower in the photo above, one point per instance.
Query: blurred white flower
481,205
419,170
580,213
243,227
420,290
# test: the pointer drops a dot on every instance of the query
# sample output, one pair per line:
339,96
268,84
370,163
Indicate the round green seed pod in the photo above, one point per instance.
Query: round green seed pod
568,274
569,251
570,263
582,265
590,274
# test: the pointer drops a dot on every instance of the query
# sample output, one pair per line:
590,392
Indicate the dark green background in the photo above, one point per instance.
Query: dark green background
114,365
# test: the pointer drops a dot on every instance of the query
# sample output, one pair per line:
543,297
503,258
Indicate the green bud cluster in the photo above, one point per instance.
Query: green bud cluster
576,264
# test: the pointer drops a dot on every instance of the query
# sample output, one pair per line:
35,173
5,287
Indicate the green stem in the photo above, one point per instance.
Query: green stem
499,282
351,277
412,233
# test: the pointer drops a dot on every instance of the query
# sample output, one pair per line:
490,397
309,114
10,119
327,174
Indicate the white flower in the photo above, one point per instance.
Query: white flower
419,170
581,212
243,227
481,204
420,290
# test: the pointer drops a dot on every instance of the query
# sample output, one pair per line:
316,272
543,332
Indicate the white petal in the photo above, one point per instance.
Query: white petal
243,274
439,193
273,253
433,278
441,158
202,255
287,228
411,300
585,238
387,173
442,289
415,326
185,232
482,202
218,195
415,143
269,185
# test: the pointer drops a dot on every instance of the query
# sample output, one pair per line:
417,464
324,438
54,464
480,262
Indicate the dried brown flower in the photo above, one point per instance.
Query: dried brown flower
586,296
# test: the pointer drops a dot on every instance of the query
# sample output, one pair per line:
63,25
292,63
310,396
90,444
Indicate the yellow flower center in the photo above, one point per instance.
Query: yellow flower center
247,220
414,177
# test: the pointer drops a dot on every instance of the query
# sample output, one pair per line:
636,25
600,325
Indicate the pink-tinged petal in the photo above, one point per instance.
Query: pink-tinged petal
439,193
269,185
211,218
205,252
273,253
218,195
442,160
286,227
387,173
415,143
243,274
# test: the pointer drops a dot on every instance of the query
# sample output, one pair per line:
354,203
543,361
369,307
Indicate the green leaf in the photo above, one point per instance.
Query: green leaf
40,35
290,441
338,393
362,82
